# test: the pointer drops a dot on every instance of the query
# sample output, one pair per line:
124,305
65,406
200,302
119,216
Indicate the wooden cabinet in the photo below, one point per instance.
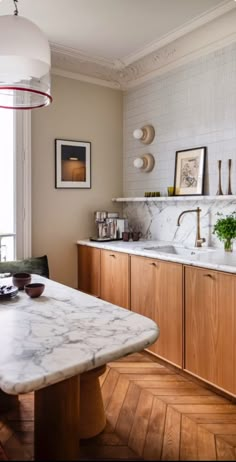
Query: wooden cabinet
156,292
115,286
199,337
210,299
89,270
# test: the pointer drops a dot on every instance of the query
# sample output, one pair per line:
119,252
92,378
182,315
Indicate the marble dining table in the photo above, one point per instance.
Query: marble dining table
57,345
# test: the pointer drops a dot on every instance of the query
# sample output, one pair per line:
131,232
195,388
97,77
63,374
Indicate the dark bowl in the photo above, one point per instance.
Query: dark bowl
20,279
35,289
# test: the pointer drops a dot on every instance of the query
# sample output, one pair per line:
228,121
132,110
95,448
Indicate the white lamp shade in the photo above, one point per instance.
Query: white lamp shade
25,62
138,163
138,133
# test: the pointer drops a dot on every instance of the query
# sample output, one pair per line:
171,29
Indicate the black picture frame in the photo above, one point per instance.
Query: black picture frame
190,171
72,164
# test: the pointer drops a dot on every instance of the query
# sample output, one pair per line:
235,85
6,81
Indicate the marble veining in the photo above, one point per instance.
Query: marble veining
158,220
215,259
63,333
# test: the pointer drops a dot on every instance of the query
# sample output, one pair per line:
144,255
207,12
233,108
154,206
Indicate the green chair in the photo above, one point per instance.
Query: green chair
36,265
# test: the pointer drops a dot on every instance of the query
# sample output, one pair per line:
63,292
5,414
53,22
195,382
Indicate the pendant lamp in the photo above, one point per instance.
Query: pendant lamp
25,62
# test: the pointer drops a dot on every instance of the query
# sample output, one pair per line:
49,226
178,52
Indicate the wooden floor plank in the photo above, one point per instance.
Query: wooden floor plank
116,401
205,408
213,418
198,399
140,365
127,413
109,386
206,444
153,379
174,391
231,439
224,451
171,440
155,431
154,372
221,428
164,383
140,424
188,443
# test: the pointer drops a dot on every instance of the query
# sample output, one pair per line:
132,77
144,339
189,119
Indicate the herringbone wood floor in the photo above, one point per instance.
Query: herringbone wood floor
153,413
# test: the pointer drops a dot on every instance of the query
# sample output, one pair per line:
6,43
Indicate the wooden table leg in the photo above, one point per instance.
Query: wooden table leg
7,402
56,428
92,415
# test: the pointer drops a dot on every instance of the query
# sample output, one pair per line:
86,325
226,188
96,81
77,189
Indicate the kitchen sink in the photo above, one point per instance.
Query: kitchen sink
178,250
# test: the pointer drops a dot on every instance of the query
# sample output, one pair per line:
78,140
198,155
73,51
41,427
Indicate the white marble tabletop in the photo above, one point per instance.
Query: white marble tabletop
215,259
63,333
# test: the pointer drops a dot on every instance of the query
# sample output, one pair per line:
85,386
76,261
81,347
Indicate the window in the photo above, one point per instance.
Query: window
15,184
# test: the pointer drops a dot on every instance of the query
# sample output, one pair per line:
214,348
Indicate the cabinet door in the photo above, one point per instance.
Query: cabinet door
89,270
209,326
115,278
156,292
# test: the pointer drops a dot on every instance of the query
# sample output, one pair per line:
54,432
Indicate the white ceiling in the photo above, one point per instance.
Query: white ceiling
111,29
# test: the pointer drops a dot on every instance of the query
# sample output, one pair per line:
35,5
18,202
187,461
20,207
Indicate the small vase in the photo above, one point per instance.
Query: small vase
228,245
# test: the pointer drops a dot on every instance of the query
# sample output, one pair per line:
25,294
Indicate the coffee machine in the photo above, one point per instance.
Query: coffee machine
109,226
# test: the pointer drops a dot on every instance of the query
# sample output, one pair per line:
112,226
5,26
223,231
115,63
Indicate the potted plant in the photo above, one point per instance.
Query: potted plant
225,229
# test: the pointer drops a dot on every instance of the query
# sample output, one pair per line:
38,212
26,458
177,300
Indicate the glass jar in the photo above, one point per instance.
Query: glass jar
228,245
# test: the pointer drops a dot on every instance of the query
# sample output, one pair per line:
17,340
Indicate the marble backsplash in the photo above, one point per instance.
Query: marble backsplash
158,220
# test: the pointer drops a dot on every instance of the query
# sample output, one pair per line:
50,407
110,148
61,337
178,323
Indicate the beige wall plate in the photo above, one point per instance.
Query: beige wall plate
148,134
149,162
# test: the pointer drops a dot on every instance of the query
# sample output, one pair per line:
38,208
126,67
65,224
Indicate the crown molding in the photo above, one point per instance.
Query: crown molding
198,41
180,31
207,39
86,78
84,68
79,56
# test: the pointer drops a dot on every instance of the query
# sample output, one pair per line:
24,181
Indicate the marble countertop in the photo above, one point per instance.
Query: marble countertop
63,333
214,259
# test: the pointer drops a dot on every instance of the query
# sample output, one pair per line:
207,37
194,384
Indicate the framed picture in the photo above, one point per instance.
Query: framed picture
73,164
189,172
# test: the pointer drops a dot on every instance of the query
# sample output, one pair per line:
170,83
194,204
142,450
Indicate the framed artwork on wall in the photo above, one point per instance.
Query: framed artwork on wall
72,164
189,172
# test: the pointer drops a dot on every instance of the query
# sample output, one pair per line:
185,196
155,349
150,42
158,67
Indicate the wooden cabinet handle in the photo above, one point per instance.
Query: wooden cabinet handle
112,255
154,264
209,276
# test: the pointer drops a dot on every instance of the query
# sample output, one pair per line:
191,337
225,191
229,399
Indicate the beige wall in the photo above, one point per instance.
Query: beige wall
85,112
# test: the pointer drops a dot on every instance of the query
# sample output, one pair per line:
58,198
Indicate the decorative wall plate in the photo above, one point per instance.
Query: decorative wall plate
7,292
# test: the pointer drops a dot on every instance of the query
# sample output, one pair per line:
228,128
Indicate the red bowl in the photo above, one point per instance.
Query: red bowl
35,289
20,279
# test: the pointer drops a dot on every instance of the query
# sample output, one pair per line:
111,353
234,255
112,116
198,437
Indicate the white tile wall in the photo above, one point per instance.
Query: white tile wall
192,106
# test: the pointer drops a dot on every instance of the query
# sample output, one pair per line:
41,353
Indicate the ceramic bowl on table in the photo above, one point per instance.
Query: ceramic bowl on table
34,289
20,279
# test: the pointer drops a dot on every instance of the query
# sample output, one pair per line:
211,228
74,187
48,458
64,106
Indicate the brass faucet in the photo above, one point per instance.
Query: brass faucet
199,239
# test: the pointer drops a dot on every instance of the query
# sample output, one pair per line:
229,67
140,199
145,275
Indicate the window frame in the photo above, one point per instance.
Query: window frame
22,181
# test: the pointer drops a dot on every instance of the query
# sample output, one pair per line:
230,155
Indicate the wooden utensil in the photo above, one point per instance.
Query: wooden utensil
229,178
219,192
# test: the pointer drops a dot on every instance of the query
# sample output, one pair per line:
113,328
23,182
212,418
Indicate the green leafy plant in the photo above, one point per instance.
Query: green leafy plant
225,228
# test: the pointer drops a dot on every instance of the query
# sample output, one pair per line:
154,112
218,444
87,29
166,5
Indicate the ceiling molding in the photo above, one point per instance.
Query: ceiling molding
86,78
180,31
78,55
200,40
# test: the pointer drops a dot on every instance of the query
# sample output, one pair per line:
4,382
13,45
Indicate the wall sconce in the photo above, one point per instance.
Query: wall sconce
145,134
144,163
